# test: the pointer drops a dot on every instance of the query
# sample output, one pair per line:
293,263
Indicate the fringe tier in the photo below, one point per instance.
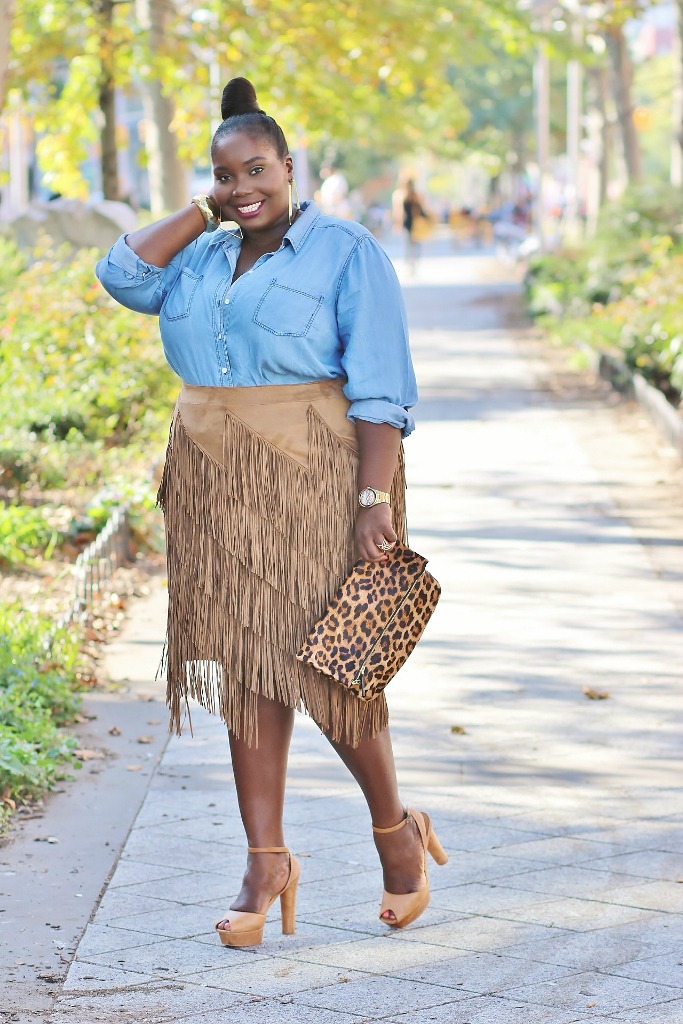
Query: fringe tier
257,545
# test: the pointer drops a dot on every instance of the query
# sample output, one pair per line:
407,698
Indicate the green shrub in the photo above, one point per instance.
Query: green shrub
25,534
623,290
37,698
76,362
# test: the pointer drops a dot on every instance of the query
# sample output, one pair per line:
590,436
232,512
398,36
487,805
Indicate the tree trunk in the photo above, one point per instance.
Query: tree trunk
167,184
6,15
622,79
104,12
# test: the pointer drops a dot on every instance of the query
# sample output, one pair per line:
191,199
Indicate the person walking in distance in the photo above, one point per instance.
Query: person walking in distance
415,221
290,337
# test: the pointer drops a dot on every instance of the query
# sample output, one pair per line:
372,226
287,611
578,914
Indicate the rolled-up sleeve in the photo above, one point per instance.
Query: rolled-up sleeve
132,282
374,333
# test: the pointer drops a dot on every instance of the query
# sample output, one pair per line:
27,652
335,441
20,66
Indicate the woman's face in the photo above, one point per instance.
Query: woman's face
251,182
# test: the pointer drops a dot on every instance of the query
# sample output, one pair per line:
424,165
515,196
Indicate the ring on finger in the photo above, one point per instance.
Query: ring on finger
385,545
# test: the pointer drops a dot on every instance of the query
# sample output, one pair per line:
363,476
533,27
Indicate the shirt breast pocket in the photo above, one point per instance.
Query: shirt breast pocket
179,299
286,311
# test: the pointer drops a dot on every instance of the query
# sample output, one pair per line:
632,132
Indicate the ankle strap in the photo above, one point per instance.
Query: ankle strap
267,849
394,828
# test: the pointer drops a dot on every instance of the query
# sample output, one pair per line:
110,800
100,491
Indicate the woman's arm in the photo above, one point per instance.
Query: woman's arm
378,446
159,243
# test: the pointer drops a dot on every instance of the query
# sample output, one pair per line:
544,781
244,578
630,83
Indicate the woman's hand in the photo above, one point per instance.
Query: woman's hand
373,525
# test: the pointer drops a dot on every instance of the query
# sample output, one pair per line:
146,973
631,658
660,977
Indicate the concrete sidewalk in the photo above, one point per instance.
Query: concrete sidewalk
561,900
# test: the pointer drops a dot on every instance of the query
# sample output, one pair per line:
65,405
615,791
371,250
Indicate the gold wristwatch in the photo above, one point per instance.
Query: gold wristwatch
370,496
207,207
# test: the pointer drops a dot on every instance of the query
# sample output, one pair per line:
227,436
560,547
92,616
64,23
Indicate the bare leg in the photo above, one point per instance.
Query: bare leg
260,774
372,765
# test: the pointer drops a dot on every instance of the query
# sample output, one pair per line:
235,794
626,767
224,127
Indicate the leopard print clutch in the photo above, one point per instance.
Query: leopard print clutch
373,622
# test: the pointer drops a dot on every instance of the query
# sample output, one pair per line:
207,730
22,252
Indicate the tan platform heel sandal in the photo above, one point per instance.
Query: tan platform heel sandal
407,907
246,929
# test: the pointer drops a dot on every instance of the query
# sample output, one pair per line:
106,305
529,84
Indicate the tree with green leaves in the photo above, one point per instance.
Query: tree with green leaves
377,70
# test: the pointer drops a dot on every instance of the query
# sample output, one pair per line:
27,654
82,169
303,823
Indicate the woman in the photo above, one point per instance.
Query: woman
291,341
415,218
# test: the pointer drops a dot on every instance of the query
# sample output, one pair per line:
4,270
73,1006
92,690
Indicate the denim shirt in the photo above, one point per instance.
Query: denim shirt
326,305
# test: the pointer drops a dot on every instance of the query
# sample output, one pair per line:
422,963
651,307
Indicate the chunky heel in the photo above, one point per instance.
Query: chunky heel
246,929
407,907
436,849
288,908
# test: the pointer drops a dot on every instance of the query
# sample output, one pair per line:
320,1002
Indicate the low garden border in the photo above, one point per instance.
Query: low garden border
97,563
663,415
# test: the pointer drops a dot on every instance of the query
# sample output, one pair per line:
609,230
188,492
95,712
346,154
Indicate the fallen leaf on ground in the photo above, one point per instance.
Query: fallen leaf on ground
594,694
459,729
88,755
592,1004
46,839
145,739
154,721
134,768
114,731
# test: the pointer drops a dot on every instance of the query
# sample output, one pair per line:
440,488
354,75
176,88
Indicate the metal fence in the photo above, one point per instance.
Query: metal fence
97,563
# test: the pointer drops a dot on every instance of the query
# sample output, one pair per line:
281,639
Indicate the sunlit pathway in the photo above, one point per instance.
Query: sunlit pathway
561,900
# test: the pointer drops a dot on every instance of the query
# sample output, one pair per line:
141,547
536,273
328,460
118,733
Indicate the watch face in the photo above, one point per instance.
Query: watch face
367,497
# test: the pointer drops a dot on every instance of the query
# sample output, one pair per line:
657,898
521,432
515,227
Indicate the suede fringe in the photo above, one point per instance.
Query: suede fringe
256,548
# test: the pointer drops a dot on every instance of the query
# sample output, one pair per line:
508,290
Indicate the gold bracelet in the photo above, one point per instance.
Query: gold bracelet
204,203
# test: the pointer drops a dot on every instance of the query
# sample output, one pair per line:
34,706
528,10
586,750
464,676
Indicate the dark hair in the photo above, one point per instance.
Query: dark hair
241,113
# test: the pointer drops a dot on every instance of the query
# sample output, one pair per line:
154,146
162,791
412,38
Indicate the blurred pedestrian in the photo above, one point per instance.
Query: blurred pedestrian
333,195
417,223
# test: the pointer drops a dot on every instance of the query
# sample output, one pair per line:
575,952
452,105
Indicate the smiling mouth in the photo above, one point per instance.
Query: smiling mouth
252,208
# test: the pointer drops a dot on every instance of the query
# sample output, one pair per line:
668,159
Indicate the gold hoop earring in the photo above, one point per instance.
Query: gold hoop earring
298,201
290,211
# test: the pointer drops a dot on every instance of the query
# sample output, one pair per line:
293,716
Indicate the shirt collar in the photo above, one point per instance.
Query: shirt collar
296,235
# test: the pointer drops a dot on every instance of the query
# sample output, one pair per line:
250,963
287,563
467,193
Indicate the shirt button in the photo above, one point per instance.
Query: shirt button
227,302
224,369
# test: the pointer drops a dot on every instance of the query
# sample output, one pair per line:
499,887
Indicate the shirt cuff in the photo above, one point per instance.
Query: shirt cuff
378,410
122,256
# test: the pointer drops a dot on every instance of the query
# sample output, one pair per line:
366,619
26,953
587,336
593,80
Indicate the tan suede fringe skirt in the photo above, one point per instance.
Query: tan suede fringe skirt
259,494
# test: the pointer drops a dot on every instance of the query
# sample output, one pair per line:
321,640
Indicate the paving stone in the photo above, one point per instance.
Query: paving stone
479,897
275,977
130,872
100,937
154,1002
85,977
665,970
174,920
481,972
608,994
480,933
167,958
665,895
572,880
271,1011
645,864
597,950
490,1010
663,1013
580,915
364,917
372,997
192,887
377,955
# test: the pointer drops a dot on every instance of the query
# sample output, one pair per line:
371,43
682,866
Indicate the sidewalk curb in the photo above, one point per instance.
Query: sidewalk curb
662,414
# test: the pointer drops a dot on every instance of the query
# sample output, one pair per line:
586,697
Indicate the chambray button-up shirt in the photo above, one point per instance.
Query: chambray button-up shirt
326,305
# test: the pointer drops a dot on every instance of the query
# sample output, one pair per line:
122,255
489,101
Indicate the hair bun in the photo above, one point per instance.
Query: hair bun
239,97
